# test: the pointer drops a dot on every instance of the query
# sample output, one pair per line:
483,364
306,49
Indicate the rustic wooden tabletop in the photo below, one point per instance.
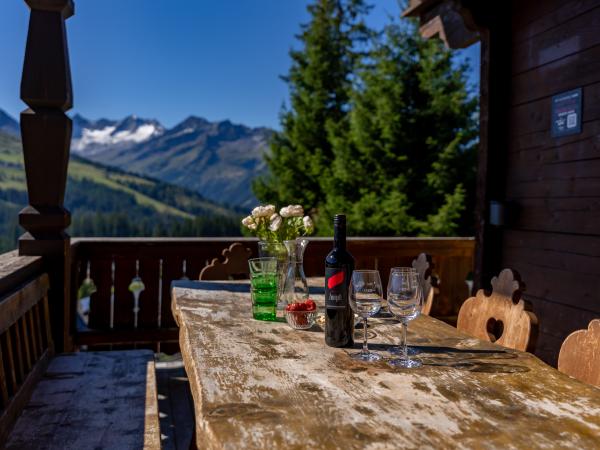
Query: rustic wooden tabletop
264,385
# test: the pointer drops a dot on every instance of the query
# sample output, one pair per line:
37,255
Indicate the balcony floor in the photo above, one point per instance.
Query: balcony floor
175,404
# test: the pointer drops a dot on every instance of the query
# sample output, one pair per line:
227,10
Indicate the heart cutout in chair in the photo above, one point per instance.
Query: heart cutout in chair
495,328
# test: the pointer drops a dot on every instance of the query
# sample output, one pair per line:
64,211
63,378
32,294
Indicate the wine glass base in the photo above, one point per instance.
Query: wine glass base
406,363
366,356
411,351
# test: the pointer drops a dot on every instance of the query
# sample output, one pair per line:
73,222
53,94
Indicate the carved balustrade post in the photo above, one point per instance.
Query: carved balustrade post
46,135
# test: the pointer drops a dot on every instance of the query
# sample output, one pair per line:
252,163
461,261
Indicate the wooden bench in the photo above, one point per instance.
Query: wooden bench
74,400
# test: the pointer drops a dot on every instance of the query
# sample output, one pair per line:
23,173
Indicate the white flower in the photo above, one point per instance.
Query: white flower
308,223
292,211
296,210
252,226
247,221
263,211
276,222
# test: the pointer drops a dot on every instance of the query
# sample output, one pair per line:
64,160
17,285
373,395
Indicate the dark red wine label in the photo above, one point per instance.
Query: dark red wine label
336,288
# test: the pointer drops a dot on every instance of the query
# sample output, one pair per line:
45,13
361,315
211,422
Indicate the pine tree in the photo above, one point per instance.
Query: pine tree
406,166
320,83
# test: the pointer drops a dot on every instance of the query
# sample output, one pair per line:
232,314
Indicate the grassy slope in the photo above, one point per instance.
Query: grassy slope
185,204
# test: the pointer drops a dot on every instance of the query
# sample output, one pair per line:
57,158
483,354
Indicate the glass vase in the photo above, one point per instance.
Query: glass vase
295,287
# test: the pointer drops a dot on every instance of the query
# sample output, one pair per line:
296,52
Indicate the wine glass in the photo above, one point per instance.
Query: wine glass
365,300
404,299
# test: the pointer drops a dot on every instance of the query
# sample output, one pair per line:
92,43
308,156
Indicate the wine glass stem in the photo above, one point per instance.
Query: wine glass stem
404,346
365,347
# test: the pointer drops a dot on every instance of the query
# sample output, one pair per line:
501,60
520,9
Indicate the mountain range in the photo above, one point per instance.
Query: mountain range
218,160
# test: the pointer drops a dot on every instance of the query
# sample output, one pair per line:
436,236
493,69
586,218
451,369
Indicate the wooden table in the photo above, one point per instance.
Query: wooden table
264,385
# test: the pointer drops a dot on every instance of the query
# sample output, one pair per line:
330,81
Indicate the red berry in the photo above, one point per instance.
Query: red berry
301,320
310,305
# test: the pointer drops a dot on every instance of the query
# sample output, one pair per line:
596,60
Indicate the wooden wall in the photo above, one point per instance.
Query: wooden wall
554,183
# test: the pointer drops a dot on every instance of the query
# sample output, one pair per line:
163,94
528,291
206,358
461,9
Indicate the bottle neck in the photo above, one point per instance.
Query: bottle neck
339,237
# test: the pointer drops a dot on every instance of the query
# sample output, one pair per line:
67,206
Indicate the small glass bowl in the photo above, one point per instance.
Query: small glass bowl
300,320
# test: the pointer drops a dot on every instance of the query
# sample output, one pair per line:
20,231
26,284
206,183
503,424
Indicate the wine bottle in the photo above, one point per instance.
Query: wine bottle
339,264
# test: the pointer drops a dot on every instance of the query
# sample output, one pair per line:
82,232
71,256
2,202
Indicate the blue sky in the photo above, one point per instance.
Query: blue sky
167,59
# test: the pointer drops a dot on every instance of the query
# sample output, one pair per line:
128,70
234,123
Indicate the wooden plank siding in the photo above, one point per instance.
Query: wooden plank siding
534,18
553,184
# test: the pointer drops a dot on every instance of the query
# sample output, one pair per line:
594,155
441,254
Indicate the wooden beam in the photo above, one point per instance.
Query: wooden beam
16,270
13,307
151,418
448,20
46,136
494,100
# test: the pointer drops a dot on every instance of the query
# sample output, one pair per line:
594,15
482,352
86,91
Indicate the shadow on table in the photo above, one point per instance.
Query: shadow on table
316,290
232,287
472,360
211,286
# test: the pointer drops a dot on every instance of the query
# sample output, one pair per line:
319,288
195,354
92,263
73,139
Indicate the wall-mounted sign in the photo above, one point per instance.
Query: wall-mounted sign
566,113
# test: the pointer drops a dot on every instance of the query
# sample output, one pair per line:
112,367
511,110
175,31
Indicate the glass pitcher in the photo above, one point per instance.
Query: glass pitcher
295,287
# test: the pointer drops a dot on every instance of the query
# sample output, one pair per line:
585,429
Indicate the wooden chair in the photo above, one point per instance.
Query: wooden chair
579,354
429,283
234,267
500,317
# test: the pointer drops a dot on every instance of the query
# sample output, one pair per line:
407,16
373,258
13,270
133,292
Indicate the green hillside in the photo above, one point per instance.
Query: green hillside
109,202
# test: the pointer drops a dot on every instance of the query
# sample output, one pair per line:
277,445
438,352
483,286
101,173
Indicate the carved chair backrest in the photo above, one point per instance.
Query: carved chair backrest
25,347
579,354
234,266
500,317
423,264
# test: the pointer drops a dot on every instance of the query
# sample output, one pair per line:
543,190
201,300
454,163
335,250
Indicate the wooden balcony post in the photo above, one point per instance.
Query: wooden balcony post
46,135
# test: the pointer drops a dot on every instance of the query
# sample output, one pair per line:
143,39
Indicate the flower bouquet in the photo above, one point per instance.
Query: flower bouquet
270,226
279,235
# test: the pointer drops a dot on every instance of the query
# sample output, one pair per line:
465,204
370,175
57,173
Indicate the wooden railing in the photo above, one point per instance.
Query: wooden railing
25,338
113,271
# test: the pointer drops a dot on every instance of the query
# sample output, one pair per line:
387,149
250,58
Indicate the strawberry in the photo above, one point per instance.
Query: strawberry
301,320
310,305
301,307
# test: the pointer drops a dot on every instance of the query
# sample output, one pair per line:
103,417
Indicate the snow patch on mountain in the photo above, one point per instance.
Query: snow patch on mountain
94,137
91,136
